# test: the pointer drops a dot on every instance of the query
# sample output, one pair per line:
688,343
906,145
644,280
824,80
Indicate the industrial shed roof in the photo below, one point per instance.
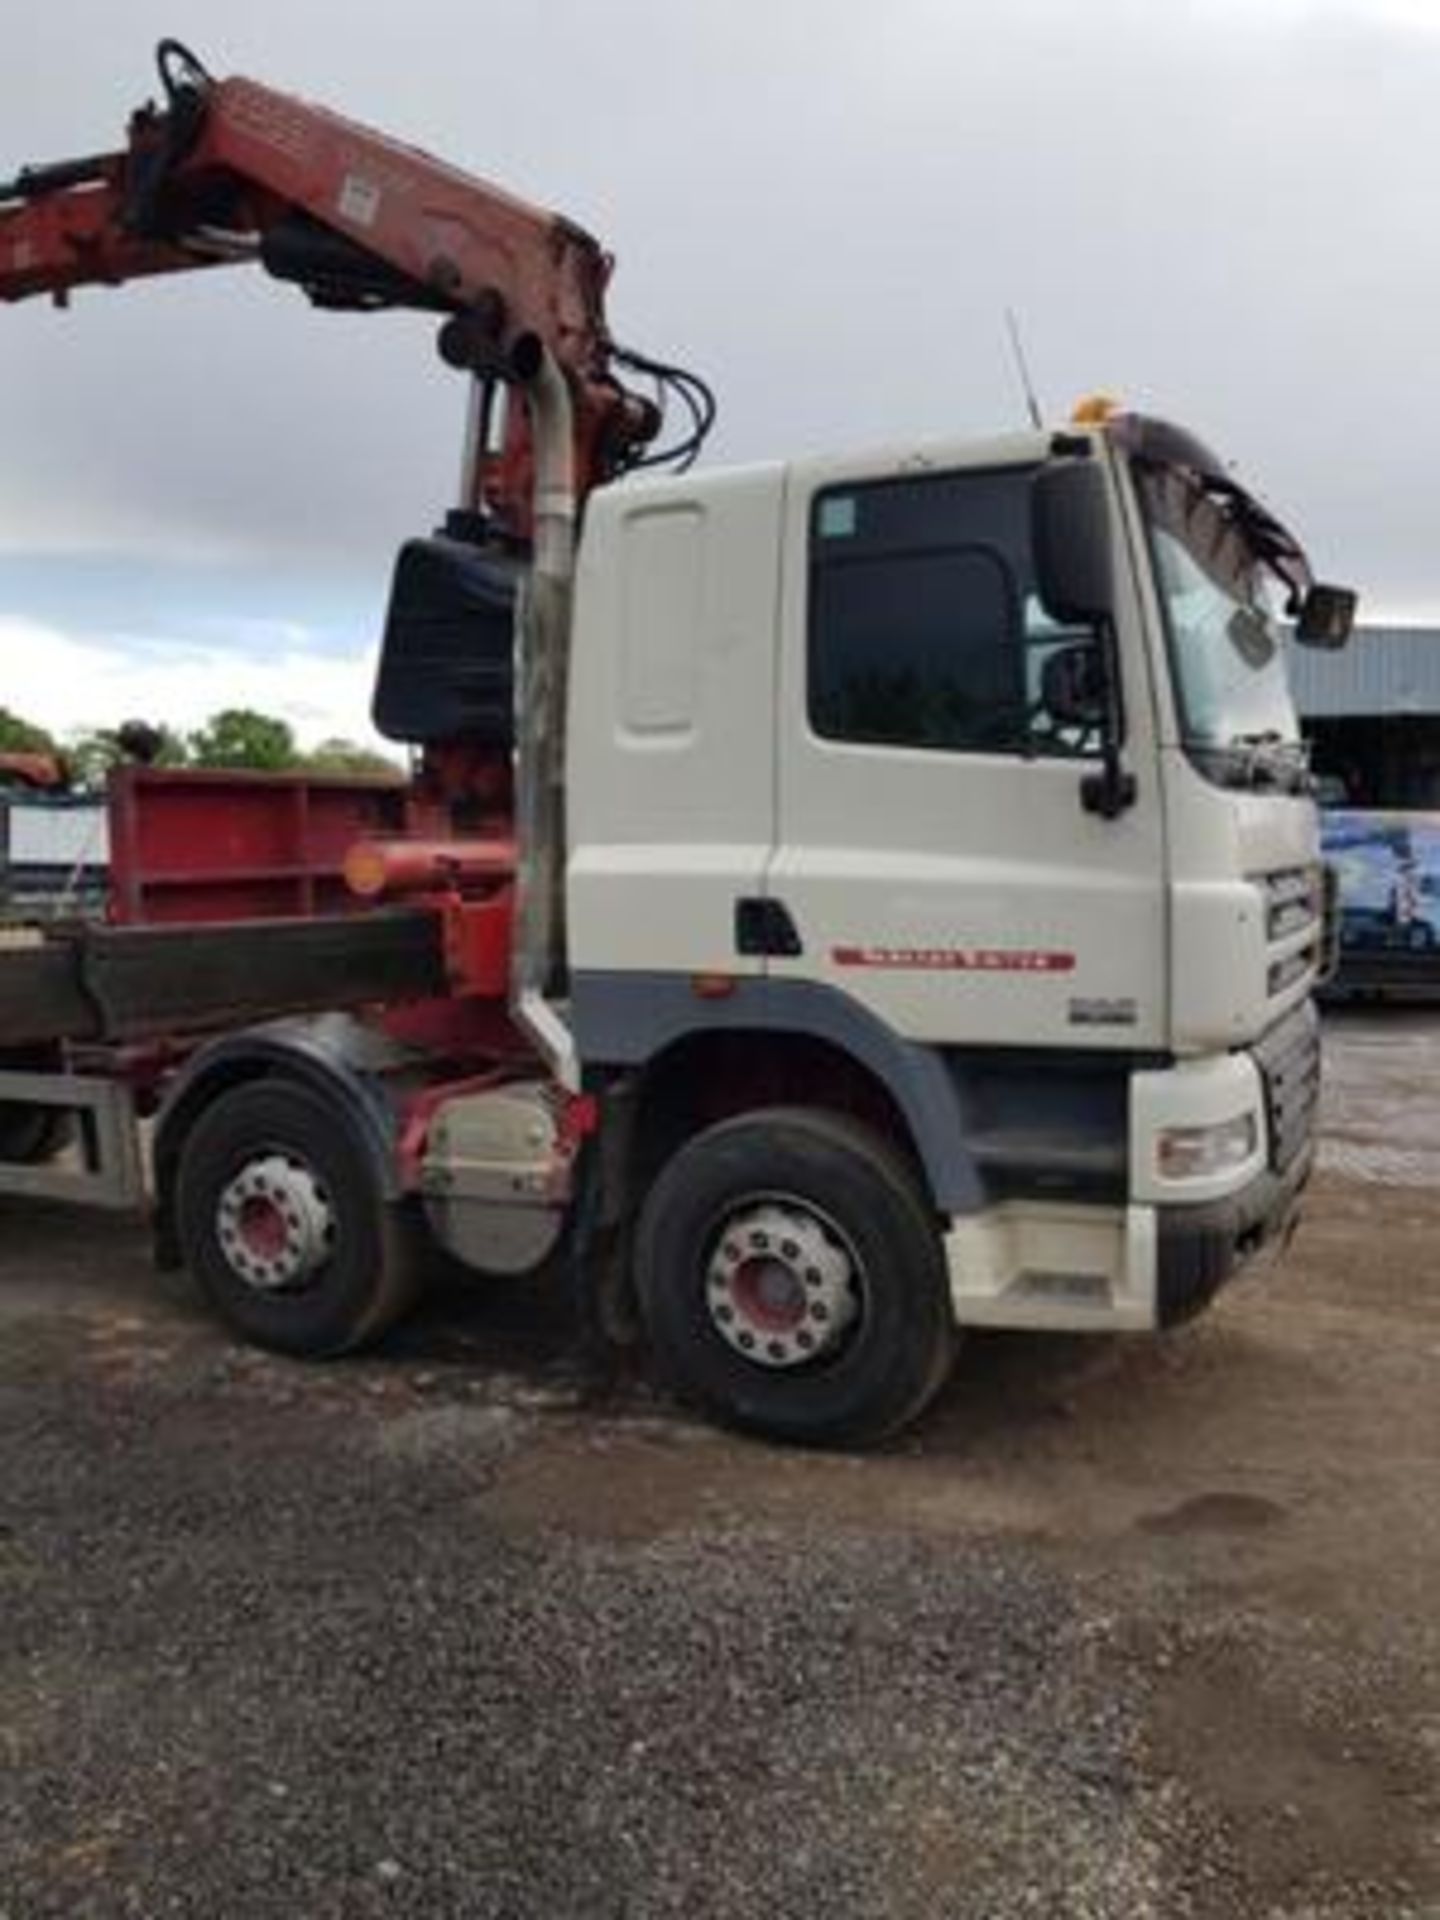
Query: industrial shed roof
1383,670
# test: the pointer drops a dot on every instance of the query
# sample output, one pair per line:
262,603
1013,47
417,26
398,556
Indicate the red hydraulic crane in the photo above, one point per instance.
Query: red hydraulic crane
230,171
38,772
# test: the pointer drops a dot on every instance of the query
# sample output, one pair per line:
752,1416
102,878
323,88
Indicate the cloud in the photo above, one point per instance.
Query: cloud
66,684
1410,16
1218,208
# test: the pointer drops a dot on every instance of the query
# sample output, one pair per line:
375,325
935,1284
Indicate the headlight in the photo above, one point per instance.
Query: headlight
1190,1153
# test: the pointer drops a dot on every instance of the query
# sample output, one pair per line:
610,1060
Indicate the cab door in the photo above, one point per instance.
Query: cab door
933,853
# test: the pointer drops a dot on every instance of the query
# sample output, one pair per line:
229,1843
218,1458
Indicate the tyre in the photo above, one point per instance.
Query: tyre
281,1224
793,1281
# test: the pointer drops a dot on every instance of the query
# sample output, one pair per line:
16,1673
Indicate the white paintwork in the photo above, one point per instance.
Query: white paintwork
694,778
1220,844
935,852
671,762
1195,1093
1067,1268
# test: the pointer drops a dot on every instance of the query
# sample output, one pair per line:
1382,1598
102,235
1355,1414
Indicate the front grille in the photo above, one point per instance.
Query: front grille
1330,940
1292,899
1294,905
1289,1060
1283,974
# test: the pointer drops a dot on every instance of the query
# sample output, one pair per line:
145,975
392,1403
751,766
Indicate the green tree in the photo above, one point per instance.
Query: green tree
93,753
20,736
349,756
239,737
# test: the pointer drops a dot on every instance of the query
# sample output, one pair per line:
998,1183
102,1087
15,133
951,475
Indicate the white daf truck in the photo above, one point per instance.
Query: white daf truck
939,817
838,903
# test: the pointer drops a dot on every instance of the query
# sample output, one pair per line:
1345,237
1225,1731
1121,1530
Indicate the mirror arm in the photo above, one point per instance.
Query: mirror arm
1113,790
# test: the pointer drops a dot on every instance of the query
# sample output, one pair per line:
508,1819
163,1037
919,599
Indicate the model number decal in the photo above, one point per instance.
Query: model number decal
1104,1013
957,959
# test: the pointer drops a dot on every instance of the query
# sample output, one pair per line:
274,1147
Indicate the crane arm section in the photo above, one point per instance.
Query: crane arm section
229,171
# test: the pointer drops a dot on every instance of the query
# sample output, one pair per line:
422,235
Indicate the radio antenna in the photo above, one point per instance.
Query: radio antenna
1022,368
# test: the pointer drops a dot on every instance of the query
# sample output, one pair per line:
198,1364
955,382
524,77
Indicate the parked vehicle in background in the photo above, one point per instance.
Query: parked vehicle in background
1371,717
1387,868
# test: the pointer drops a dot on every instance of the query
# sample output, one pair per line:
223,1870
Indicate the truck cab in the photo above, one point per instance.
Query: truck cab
959,785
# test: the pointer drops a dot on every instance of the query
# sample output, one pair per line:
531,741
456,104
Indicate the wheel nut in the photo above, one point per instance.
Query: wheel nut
781,1284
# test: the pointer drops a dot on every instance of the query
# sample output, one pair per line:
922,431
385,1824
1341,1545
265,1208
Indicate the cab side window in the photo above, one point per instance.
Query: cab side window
924,630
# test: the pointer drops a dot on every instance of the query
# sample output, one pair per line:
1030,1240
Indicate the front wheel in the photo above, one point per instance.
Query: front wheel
282,1226
793,1281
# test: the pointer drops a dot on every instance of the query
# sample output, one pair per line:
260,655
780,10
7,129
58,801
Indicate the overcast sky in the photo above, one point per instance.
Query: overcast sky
1222,210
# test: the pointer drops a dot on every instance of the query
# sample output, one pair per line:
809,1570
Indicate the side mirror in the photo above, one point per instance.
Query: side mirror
1072,687
1326,618
1070,535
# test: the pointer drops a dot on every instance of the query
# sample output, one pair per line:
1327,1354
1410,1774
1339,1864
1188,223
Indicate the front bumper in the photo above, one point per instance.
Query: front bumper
1159,1258
1198,1248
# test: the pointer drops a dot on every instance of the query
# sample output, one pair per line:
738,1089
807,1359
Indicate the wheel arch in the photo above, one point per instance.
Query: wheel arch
334,1056
720,1074
798,1044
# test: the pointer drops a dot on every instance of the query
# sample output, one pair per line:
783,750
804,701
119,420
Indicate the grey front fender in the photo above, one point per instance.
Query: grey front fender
626,1019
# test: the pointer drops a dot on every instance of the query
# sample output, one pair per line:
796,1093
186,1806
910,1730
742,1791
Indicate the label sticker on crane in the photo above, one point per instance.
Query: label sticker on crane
359,201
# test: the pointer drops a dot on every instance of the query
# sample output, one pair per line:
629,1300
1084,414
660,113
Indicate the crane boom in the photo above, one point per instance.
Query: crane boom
230,171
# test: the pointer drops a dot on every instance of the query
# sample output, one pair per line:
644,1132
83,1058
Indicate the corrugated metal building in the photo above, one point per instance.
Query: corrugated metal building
1384,670
1372,714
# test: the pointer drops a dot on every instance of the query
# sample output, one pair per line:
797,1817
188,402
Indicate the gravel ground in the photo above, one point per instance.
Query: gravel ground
1130,1628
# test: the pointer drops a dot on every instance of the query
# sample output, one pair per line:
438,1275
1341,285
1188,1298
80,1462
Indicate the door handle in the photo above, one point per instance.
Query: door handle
764,929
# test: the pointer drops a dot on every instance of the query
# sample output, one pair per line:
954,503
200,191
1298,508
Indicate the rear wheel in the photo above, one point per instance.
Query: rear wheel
283,1228
793,1281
